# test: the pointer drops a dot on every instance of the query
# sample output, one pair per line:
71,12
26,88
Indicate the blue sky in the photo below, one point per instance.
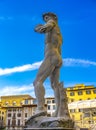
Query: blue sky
22,50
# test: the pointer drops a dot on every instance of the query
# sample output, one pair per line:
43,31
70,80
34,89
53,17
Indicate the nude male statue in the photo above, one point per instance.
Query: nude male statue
52,61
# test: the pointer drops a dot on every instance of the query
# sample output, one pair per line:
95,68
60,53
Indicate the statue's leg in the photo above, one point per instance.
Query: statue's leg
45,70
54,78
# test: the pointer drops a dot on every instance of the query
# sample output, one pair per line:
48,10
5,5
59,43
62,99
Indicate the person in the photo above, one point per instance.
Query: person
50,67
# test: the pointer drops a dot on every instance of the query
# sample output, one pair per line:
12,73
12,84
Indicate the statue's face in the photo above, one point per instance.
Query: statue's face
47,18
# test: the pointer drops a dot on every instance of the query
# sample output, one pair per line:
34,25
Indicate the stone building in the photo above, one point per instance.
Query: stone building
15,113
80,99
83,112
81,92
18,109
15,110
51,106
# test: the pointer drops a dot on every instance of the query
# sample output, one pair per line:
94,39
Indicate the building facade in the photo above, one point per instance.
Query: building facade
16,110
51,105
14,118
81,92
80,99
15,114
83,112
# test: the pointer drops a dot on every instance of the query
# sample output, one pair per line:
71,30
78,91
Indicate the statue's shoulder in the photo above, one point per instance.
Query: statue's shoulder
51,21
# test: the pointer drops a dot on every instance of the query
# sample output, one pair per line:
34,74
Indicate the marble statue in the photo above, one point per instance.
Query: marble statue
52,61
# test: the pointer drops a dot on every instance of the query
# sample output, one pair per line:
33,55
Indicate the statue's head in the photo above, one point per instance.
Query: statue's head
48,16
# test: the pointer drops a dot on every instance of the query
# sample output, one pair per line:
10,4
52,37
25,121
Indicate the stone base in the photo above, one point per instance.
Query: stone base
54,128
41,121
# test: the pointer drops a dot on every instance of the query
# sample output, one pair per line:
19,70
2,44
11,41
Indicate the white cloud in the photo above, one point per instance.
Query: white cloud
67,62
16,90
78,62
20,68
24,89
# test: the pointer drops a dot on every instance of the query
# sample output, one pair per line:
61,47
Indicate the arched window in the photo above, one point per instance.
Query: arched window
6,103
14,102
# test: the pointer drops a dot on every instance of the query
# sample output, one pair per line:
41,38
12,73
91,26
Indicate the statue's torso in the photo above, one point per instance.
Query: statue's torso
53,42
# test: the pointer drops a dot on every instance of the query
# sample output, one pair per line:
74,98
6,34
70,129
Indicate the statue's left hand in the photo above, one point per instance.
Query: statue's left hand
38,27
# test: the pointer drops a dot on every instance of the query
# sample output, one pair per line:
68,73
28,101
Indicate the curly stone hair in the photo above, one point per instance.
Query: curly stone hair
50,14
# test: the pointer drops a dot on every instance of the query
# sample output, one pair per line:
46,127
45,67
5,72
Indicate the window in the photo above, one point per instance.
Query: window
80,110
9,110
48,107
94,113
25,114
54,107
8,122
71,88
94,91
6,103
80,117
87,114
26,102
19,114
14,115
91,122
19,110
2,112
19,122
72,94
48,101
9,114
88,92
80,93
14,109
2,118
72,110
72,100
53,101
13,122
14,103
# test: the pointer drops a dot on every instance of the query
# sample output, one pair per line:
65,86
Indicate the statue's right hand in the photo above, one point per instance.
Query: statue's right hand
38,27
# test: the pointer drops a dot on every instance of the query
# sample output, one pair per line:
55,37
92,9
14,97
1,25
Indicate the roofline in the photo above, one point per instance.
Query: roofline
23,95
49,98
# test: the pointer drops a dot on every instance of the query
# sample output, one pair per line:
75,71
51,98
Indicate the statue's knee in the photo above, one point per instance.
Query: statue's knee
55,85
37,83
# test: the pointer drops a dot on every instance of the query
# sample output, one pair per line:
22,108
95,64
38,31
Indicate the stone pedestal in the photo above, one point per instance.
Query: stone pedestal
53,128
41,121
